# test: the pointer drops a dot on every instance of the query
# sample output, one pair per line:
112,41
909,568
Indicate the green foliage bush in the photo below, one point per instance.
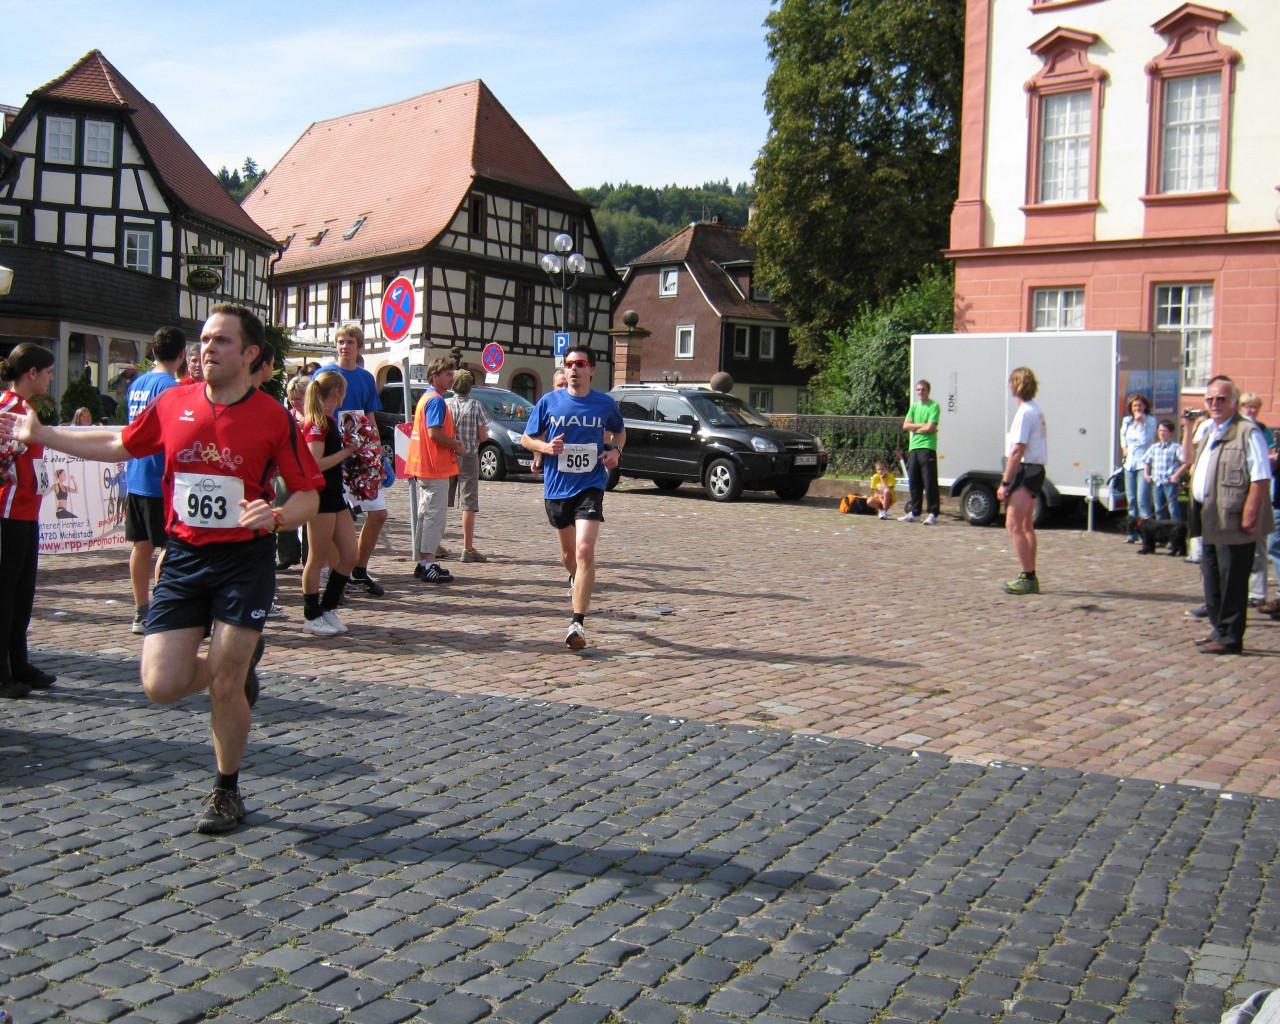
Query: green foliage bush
80,392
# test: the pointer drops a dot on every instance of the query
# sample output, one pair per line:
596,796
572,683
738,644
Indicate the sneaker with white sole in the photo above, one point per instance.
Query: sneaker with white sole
276,612
331,617
571,586
883,515
139,627
472,555
367,584
910,517
434,574
930,520
319,626
576,638
443,552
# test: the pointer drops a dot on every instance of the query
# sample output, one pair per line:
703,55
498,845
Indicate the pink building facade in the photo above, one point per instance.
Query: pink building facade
1120,161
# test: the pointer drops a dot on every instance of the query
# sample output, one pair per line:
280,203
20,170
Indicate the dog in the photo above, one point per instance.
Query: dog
1162,531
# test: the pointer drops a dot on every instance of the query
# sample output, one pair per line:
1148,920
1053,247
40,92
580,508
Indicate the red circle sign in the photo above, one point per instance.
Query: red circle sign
492,357
398,304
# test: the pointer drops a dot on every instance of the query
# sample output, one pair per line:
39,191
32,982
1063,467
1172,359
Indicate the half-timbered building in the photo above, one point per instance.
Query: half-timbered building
113,227
696,295
446,190
1118,171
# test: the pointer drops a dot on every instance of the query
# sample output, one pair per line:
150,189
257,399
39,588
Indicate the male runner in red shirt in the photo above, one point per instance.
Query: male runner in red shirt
223,441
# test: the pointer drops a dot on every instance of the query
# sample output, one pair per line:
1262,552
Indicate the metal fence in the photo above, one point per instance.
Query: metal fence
853,443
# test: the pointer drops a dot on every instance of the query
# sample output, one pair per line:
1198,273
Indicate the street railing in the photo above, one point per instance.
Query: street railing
853,443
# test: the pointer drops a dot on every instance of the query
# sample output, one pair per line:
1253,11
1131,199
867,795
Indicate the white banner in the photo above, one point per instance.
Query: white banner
84,508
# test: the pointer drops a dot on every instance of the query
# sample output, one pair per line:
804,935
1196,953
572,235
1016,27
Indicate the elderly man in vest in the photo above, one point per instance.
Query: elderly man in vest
1231,477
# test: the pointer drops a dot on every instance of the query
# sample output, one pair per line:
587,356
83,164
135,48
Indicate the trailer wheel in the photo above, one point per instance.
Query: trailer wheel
979,505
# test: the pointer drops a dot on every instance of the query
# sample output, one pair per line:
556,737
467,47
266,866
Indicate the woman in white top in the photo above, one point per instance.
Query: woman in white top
1026,451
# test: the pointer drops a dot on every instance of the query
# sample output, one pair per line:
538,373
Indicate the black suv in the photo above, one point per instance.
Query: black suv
693,434
506,414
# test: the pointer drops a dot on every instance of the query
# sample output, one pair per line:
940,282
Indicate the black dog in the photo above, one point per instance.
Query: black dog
1162,531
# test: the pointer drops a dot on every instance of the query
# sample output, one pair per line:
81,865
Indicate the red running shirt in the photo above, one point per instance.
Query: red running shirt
21,500
216,455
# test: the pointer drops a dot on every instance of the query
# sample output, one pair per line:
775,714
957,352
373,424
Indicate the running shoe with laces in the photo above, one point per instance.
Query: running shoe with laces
443,552
910,517
319,626
139,626
225,812
472,555
251,686
576,638
930,520
434,574
331,617
276,612
1023,585
571,586
368,584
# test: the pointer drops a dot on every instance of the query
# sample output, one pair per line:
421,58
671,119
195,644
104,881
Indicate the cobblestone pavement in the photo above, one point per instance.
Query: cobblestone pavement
812,767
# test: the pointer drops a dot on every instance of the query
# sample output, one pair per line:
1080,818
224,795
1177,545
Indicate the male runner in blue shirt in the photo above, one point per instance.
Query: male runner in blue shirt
568,428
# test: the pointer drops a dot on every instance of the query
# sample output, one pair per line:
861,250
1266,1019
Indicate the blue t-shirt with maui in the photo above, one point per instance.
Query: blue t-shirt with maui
146,476
583,422
362,389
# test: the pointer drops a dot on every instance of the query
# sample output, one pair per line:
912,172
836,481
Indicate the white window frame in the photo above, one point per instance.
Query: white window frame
8,231
99,144
1191,133
1188,309
768,343
1066,137
59,140
1057,309
742,343
132,250
684,341
668,282
761,399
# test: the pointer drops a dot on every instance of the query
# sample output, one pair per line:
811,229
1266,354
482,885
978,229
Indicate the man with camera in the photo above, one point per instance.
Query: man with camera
1231,484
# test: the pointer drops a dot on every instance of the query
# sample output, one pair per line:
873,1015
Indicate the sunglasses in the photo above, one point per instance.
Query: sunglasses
571,363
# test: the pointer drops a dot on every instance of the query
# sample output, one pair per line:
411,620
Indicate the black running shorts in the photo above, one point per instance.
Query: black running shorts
200,584
1029,476
144,520
588,504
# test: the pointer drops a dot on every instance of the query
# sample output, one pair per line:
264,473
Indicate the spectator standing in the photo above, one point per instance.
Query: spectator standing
1231,478
24,481
144,478
361,399
1162,469
195,372
1250,407
1027,451
1137,434
433,458
469,422
290,550
557,383
922,456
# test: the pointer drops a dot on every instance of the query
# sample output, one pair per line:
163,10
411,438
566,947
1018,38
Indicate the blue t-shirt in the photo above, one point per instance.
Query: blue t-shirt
583,422
362,390
146,476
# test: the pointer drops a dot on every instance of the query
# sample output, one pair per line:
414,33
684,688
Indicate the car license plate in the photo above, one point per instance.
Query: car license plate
806,460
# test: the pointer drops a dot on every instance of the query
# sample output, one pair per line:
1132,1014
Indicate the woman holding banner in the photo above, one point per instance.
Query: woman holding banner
27,372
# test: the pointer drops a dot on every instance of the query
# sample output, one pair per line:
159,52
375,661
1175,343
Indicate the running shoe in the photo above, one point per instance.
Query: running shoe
443,552
472,555
571,586
883,515
434,574
930,520
1023,585
251,677
331,617
276,612
576,638
368,584
319,626
225,812
910,517
139,626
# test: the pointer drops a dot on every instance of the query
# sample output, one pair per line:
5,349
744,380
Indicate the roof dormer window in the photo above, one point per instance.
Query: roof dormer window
99,144
318,237
284,246
60,140
351,231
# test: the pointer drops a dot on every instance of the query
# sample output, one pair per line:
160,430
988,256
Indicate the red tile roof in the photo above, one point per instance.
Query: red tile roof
405,167
182,174
706,249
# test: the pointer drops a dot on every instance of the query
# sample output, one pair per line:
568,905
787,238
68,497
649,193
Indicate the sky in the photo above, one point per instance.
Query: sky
654,92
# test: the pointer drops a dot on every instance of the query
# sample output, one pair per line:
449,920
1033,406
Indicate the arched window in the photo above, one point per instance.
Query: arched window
525,385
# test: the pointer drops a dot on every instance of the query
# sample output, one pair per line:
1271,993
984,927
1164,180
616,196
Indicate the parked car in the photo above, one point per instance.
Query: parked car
677,434
506,414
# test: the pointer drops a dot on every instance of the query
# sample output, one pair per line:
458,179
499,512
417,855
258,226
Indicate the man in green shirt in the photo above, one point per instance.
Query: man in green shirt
922,456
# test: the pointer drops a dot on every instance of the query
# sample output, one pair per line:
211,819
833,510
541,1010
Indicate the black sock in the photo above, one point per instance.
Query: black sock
359,574
1029,575
580,619
333,590
230,781
311,605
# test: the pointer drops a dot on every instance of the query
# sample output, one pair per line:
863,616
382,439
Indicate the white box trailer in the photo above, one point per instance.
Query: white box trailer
1084,377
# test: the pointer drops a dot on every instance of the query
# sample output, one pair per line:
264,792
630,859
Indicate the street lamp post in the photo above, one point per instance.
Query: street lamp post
563,267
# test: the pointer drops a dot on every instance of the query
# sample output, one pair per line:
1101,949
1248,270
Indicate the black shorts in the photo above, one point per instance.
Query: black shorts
331,500
1030,477
144,520
200,584
588,504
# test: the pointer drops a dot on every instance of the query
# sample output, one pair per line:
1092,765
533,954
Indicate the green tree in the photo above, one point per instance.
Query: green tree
867,365
237,184
859,172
